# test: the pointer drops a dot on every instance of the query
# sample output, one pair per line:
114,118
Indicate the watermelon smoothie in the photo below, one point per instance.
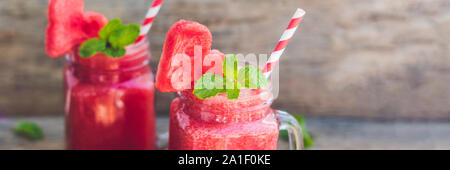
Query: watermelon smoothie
213,118
109,101
221,124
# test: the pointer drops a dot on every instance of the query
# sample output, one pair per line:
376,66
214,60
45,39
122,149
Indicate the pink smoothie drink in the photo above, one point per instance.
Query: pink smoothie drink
221,124
236,117
109,102
108,84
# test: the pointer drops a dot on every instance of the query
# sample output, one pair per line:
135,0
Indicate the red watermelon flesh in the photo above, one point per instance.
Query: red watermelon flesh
181,39
93,23
69,25
213,62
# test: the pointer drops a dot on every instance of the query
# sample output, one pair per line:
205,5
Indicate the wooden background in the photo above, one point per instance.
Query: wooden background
356,58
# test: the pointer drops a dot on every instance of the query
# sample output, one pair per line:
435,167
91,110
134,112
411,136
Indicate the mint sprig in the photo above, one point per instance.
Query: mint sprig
210,85
29,130
114,37
91,47
251,77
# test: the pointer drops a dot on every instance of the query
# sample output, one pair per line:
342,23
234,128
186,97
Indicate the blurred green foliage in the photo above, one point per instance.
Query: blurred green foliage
28,130
307,139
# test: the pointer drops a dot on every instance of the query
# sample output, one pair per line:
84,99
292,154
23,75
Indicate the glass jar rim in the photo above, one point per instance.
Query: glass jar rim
246,95
220,109
137,55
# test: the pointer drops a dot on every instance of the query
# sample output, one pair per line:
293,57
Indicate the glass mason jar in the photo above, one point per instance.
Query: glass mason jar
109,101
217,123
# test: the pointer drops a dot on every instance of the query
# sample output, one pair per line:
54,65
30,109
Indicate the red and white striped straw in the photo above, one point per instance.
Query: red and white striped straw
149,18
284,41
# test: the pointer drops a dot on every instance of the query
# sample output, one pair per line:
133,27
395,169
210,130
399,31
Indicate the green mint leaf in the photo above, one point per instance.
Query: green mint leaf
230,70
112,26
233,93
251,77
29,130
114,52
124,36
209,85
230,67
232,88
230,83
114,38
91,47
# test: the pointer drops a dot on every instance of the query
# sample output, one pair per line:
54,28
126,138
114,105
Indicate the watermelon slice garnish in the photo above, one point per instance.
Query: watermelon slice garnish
181,39
69,26
213,62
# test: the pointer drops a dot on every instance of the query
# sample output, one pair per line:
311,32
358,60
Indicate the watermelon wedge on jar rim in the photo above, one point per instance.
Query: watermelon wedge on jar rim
186,42
69,26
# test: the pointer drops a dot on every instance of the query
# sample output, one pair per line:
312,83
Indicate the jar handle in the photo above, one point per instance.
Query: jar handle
290,124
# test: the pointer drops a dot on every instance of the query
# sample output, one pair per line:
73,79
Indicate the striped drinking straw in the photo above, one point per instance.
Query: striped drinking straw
284,41
149,18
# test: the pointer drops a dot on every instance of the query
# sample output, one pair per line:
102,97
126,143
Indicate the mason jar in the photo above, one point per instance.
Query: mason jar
218,123
109,102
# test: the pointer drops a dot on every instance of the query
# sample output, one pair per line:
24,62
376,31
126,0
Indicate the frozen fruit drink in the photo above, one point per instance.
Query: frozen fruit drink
109,102
222,124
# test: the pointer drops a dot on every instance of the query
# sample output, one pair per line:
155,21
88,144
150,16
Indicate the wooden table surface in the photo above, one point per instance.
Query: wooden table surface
329,133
